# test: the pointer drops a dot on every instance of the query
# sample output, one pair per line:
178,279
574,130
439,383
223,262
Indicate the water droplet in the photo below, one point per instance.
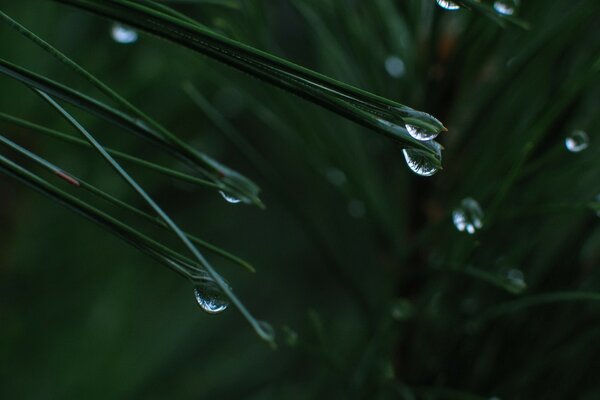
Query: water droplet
421,133
506,7
577,141
515,281
419,162
123,34
291,336
211,298
356,208
468,216
448,5
265,331
395,66
401,310
229,198
336,176
597,207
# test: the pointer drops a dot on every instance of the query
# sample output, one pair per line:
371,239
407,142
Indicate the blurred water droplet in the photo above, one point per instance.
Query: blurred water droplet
598,201
468,216
211,298
448,5
123,34
356,208
515,281
229,198
266,331
577,141
290,336
505,7
401,310
336,176
395,66
420,133
419,162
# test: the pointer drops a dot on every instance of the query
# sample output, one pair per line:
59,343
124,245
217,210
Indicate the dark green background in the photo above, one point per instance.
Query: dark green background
84,315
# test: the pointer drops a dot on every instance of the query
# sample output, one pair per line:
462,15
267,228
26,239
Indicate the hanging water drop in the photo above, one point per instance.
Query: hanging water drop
515,281
229,198
123,34
506,7
468,216
211,298
265,330
577,141
421,134
419,162
395,66
448,5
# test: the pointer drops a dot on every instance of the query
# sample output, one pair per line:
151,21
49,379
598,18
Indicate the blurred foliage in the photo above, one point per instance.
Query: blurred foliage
373,292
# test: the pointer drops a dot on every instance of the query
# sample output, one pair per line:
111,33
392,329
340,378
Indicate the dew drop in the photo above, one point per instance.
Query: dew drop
448,5
468,217
419,162
123,34
291,336
421,133
395,66
356,208
515,281
577,141
265,331
401,310
505,7
336,176
211,298
229,198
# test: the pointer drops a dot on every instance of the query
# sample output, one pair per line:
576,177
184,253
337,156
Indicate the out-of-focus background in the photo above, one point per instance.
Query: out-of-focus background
372,290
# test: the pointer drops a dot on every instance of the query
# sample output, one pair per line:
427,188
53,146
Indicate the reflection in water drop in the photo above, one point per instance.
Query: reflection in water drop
229,198
123,34
395,66
515,281
211,298
505,7
421,133
419,162
468,216
448,5
577,141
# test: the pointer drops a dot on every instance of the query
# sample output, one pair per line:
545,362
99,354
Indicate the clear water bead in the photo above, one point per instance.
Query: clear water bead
515,281
123,34
395,66
448,5
421,134
577,141
419,162
211,299
468,217
505,7
229,198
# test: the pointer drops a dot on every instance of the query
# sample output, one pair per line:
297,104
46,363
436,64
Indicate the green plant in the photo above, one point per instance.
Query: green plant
480,281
